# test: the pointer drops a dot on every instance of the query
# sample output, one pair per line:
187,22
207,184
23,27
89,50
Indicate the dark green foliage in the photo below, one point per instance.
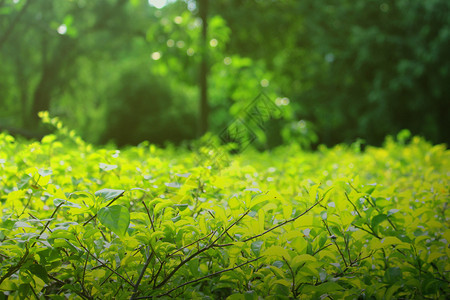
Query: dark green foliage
143,107
350,68
353,68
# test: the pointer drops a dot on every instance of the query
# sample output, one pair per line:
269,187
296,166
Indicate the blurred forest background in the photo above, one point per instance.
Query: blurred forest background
131,70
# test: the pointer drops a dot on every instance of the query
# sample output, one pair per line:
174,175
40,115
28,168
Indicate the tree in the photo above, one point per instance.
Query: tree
354,68
203,84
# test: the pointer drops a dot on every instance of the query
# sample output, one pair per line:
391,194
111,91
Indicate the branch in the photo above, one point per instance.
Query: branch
15,268
196,241
136,286
229,227
148,214
211,245
335,243
103,264
294,292
48,223
346,196
285,222
10,29
201,278
111,202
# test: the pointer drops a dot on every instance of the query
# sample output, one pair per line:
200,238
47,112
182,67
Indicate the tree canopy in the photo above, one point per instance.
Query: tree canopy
130,70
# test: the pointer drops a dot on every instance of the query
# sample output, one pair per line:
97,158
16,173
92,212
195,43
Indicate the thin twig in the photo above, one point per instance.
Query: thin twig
106,266
84,271
229,227
348,199
347,246
34,292
201,278
284,223
335,243
148,214
180,249
103,282
48,223
323,248
369,232
16,267
198,252
141,275
379,210
111,202
294,292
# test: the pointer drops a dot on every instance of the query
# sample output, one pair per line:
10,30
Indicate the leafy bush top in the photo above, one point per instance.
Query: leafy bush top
143,222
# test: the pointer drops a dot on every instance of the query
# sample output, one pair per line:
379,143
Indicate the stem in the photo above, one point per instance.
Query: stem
211,245
15,268
111,202
136,285
48,223
201,278
346,196
335,243
103,264
285,222
180,249
149,216
294,292
84,272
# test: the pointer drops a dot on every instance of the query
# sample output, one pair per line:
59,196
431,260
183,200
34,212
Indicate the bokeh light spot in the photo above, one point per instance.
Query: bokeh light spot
329,57
191,5
227,60
178,20
170,43
190,52
180,44
157,3
156,55
264,83
62,29
282,101
213,43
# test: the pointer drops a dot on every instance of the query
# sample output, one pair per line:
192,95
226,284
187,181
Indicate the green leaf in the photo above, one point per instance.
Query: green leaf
181,207
256,247
39,271
277,251
109,194
116,218
324,288
393,275
391,291
369,188
66,203
377,220
313,193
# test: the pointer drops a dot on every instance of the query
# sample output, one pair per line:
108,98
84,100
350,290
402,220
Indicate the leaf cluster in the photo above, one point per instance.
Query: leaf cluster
84,222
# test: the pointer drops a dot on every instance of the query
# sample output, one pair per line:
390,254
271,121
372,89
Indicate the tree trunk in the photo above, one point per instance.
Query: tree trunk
203,80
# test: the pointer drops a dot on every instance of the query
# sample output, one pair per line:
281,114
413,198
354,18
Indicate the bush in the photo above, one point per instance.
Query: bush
146,108
85,222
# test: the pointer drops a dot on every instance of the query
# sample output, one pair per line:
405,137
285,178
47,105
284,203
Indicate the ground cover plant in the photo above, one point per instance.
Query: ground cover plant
80,222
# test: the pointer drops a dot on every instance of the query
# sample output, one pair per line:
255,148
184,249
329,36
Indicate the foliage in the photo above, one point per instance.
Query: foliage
350,68
144,108
353,68
84,222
